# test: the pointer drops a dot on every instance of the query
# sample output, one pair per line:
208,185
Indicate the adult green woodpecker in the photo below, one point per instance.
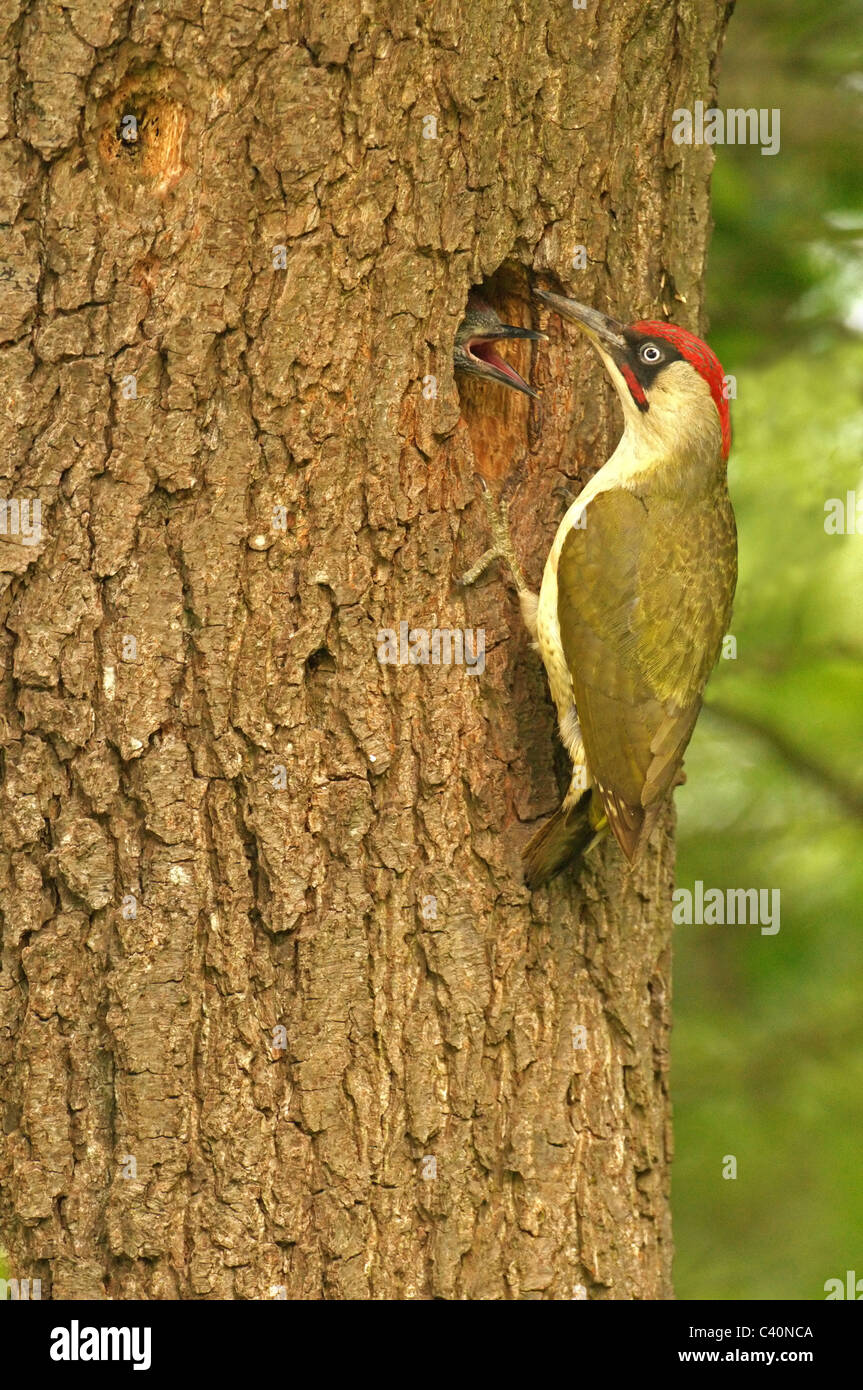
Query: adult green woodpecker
637,589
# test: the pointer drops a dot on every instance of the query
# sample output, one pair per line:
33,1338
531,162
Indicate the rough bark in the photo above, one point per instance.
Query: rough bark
166,904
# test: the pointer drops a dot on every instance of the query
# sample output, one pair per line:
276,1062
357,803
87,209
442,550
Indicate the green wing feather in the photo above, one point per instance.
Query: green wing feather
641,639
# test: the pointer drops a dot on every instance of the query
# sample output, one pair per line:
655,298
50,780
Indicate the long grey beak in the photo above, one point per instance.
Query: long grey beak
605,331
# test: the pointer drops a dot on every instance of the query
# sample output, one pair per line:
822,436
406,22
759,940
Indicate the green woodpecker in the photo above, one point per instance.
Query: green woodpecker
474,352
637,590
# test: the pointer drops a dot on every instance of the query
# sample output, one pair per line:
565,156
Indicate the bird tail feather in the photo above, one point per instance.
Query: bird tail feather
564,839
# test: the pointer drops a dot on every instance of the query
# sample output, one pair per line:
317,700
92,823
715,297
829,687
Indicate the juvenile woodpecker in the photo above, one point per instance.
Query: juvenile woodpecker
637,590
474,351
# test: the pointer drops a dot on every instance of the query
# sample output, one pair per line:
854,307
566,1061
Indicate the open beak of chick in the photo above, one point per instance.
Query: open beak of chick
475,352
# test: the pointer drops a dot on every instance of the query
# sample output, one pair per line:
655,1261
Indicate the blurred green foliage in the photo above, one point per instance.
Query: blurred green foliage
785,258
767,1052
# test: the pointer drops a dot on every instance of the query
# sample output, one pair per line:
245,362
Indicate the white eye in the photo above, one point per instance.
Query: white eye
650,353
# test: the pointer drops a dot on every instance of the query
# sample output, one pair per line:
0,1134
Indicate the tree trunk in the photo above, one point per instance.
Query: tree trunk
277,1016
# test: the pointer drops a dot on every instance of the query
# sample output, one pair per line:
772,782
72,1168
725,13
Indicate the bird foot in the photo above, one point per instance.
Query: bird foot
502,549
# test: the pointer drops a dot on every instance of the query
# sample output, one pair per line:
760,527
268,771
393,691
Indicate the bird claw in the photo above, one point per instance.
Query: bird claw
502,549
563,491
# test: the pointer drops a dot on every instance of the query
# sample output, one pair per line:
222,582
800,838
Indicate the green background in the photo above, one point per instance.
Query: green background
767,1061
